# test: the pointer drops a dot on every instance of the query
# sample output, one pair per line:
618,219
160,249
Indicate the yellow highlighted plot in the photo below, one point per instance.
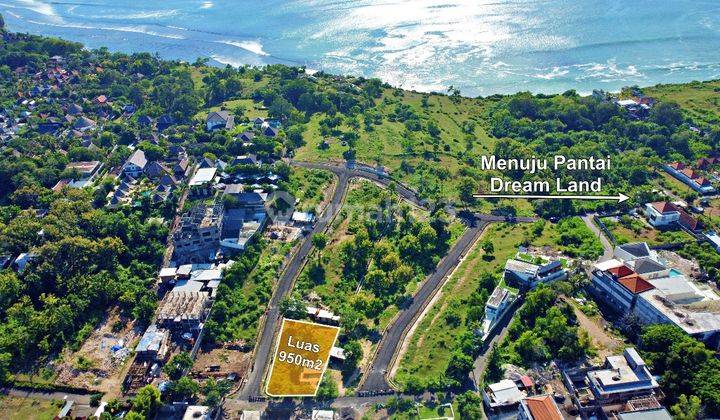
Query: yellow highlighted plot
301,357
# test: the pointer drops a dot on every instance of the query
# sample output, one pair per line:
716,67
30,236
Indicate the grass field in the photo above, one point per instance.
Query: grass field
699,100
390,144
634,230
428,350
12,408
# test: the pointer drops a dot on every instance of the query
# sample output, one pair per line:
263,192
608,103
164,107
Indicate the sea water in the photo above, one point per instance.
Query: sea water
481,47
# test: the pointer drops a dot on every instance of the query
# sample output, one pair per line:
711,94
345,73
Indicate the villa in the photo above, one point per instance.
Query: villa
530,271
637,281
496,307
690,177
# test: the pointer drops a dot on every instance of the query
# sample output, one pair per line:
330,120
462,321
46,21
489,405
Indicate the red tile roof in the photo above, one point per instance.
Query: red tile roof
621,271
526,381
636,284
543,408
677,165
664,207
702,181
688,221
689,173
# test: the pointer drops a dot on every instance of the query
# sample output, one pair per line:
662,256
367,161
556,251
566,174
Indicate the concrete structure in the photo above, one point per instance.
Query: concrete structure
503,394
323,415
198,235
154,344
183,310
530,274
650,414
637,282
689,177
497,305
623,383
661,213
250,415
539,407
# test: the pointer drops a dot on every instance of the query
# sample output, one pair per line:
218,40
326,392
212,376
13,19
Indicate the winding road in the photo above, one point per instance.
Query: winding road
374,379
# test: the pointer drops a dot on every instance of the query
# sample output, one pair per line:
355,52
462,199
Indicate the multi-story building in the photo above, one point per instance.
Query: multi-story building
497,305
637,281
199,233
531,272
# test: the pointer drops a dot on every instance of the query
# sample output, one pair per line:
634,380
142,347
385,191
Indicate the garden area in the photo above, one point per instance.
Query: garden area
628,229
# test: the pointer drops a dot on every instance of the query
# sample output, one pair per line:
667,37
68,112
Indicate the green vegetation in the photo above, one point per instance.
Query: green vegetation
244,293
688,368
29,408
544,329
629,229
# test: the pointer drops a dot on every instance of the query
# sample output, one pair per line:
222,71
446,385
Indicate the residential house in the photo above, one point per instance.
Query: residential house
164,122
145,121
220,120
100,100
134,166
496,307
245,160
690,177
502,395
539,407
270,131
247,137
74,109
201,184
84,124
529,272
661,214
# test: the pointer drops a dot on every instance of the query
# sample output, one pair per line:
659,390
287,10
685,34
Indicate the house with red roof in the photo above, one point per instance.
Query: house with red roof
539,407
690,177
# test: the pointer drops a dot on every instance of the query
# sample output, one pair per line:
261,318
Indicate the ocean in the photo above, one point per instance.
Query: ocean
481,47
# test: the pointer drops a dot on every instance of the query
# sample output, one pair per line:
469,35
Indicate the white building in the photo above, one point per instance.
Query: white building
530,274
497,305
662,213
637,281
502,394
135,165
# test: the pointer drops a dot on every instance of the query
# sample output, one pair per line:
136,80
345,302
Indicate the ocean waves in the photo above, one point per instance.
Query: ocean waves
481,47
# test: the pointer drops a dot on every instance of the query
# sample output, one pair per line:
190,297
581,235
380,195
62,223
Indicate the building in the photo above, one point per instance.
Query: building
134,166
322,316
496,307
623,383
244,160
154,344
714,239
202,182
220,120
659,413
303,218
503,394
181,310
689,177
664,214
528,272
539,407
250,415
637,281
198,235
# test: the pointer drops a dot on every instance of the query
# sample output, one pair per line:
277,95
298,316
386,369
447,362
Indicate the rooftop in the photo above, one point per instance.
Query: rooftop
623,373
542,407
203,176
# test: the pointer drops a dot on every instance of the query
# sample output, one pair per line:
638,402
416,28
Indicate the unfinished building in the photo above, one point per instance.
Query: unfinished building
183,310
198,235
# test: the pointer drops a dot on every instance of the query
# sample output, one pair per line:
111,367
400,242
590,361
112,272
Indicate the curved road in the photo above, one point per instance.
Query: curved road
375,378
263,347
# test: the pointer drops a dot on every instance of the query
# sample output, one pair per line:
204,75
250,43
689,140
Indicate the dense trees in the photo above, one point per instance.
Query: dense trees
685,365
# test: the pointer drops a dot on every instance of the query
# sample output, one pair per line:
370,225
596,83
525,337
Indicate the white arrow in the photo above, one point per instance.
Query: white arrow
619,198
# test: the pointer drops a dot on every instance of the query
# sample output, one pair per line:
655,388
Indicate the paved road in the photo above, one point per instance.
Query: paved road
394,336
607,246
263,348
497,336
374,379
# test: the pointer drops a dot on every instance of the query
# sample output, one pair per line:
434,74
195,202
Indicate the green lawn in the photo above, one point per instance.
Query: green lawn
429,348
629,230
28,408
699,100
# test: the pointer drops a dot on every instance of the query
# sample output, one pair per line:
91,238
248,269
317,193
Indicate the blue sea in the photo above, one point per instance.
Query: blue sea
481,47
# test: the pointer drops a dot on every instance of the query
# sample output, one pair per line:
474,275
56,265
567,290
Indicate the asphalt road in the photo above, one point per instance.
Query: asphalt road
393,337
263,349
374,379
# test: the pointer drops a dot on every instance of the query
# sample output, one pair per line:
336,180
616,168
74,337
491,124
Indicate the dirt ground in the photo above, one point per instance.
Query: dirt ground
224,360
95,365
605,343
